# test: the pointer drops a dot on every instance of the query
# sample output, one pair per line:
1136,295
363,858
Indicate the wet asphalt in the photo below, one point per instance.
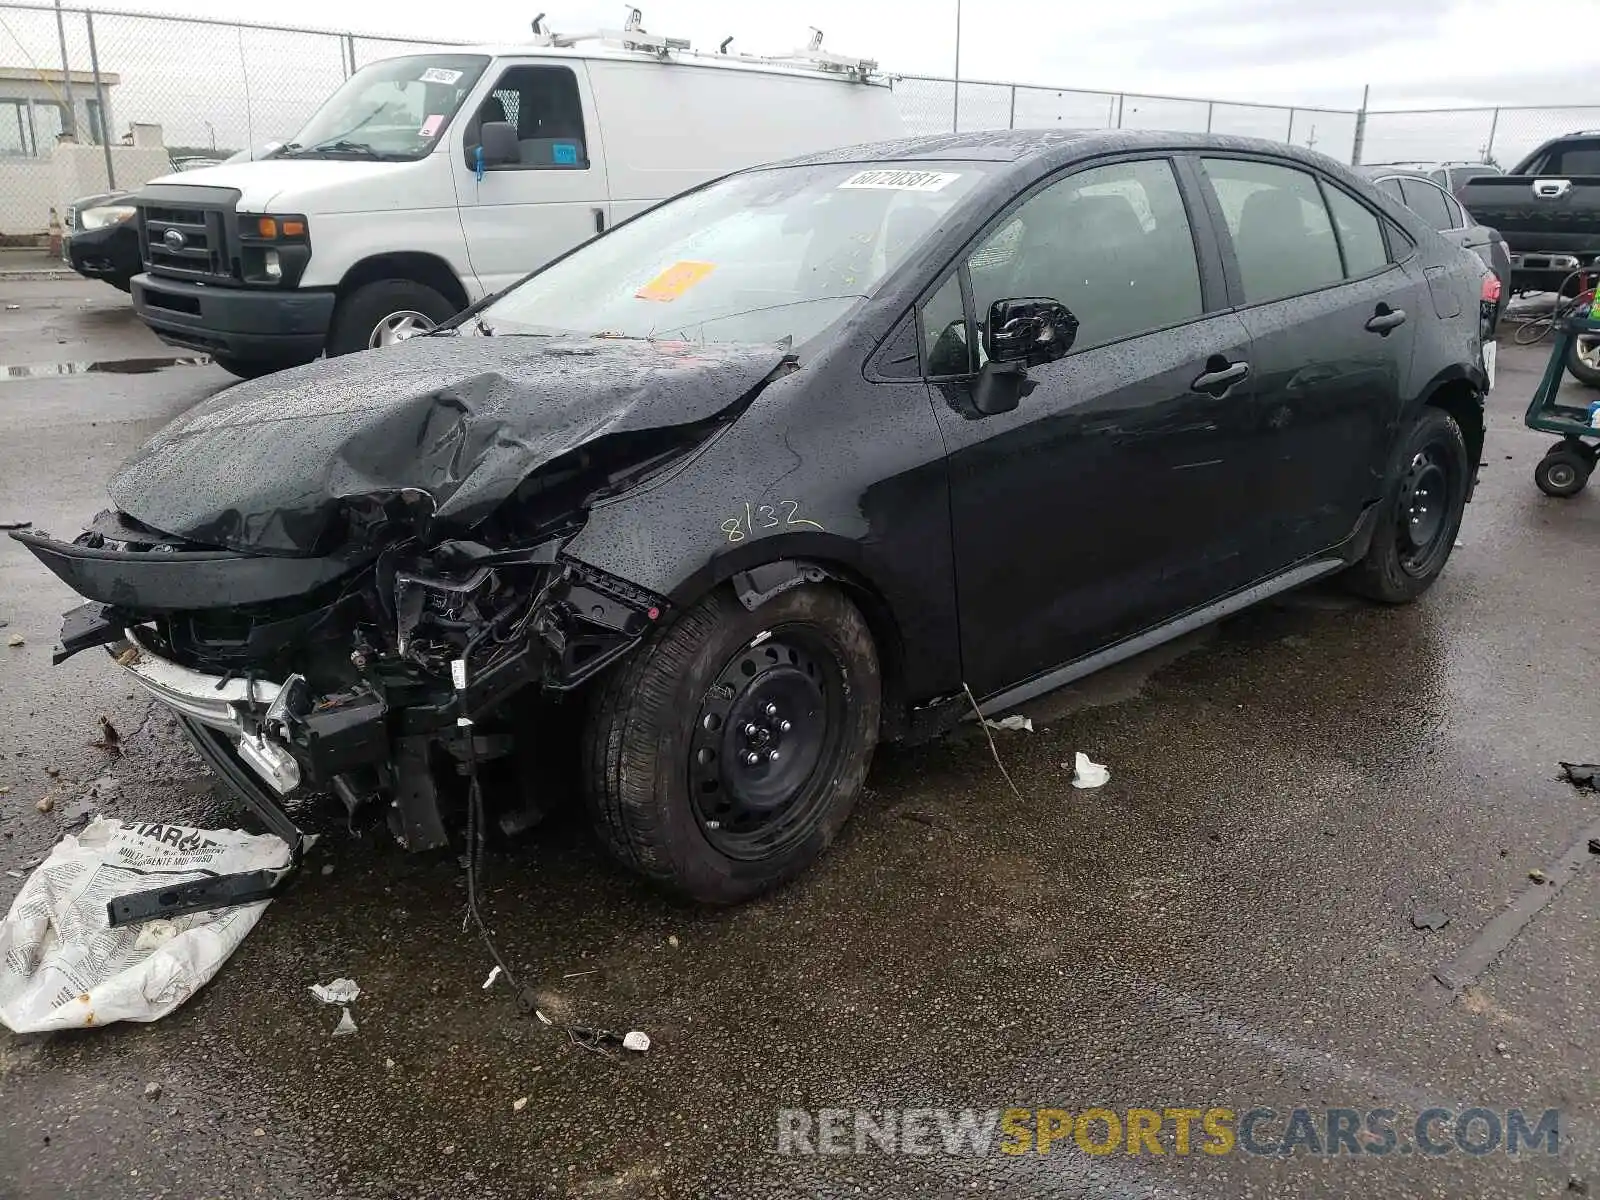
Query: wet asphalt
1227,923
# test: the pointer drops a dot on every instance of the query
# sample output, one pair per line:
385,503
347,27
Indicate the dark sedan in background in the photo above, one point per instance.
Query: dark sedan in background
1419,192
102,238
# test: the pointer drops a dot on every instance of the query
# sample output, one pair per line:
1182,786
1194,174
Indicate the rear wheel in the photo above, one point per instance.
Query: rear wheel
725,756
385,312
1420,515
1583,359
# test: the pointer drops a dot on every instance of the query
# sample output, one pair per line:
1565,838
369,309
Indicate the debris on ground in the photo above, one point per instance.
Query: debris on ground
1014,721
4,788
1431,919
53,771
1594,845
15,524
14,874
45,804
520,1103
340,991
598,1039
672,940
152,1091
494,973
1086,773
62,966
1536,875
16,639
388,1064
1501,1048
1583,775
346,1025
110,740
327,868
128,657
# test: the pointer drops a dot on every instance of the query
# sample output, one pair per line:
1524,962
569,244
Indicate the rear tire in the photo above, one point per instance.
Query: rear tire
360,319
1583,359
1420,514
255,368
793,687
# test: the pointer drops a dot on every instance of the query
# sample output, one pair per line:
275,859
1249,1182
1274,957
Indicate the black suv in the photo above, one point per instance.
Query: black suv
798,460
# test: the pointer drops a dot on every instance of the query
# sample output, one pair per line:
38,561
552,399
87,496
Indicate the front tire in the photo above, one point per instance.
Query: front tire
724,757
1420,515
385,312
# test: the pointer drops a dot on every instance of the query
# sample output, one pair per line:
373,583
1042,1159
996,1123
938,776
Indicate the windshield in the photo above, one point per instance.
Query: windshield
395,109
758,257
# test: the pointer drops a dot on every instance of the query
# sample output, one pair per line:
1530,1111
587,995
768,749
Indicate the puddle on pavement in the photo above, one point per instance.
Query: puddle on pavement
114,366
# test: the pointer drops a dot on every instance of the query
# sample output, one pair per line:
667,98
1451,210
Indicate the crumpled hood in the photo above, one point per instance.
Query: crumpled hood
293,463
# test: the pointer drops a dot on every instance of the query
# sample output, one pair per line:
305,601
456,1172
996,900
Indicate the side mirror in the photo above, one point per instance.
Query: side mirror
499,142
1020,334
1029,332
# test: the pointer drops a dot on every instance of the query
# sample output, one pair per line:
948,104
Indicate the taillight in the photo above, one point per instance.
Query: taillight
1491,290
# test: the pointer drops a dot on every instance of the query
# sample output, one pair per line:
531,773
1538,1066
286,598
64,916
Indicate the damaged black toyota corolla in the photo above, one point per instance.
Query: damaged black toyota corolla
793,462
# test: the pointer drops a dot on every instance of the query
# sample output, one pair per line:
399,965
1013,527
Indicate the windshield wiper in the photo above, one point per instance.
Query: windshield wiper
343,146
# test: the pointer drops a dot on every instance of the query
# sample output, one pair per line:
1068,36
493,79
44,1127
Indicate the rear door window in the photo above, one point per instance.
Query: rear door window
1574,158
1359,233
1428,202
1282,235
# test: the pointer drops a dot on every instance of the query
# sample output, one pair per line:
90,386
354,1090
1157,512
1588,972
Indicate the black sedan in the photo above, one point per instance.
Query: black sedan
102,238
814,455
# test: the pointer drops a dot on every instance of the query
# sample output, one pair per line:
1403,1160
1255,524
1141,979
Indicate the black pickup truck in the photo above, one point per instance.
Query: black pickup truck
1548,209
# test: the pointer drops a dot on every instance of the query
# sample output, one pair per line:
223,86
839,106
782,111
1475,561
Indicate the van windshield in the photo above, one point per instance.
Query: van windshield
395,109
758,257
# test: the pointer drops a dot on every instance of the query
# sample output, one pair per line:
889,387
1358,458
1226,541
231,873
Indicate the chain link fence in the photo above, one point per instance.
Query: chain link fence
1503,136
92,101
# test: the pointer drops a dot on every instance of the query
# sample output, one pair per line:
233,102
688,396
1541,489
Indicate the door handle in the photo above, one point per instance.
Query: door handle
599,220
1219,381
1385,319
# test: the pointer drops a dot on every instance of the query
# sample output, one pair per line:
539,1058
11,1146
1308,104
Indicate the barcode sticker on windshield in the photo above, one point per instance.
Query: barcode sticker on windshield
901,181
439,75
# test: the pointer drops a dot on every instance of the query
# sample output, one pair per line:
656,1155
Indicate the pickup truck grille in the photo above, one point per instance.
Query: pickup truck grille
185,243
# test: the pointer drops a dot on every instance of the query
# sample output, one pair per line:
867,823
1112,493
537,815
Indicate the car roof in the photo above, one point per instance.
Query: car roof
1051,147
1379,171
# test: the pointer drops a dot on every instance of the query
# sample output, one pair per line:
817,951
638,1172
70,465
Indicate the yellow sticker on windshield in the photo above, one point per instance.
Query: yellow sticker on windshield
675,280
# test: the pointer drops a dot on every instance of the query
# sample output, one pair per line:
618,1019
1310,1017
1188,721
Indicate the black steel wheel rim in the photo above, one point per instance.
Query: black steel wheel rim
767,735
1427,497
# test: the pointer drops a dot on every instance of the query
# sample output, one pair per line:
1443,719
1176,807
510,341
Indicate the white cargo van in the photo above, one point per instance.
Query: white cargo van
428,181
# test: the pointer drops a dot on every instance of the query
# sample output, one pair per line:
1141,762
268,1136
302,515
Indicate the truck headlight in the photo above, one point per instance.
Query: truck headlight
106,214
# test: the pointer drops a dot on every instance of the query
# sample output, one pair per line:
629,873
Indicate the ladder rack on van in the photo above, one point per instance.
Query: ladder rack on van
633,36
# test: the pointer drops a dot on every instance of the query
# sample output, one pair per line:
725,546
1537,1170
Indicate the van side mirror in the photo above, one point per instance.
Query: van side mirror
499,142
1029,332
1020,334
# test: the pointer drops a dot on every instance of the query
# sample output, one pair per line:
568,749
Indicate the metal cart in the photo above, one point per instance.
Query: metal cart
1566,466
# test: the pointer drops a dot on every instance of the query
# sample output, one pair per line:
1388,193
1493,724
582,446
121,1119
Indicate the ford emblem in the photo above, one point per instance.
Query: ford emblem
174,239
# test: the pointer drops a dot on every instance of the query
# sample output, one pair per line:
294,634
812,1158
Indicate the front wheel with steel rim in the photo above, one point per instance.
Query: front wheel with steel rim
1420,514
385,313
1583,359
725,756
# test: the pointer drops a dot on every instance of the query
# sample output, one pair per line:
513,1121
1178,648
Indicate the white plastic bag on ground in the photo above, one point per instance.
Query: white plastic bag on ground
1086,773
61,964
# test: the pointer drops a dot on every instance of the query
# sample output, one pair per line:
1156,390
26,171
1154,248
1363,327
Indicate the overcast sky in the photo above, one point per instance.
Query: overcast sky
1412,52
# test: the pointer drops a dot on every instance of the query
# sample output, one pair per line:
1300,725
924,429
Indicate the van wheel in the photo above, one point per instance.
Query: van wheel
725,756
386,312
255,368
1421,514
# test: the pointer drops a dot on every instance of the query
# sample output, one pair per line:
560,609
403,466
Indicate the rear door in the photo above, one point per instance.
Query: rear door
519,216
1111,497
1332,319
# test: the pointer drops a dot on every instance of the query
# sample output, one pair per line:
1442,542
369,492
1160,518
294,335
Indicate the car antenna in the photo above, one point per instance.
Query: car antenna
726,42
538,23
